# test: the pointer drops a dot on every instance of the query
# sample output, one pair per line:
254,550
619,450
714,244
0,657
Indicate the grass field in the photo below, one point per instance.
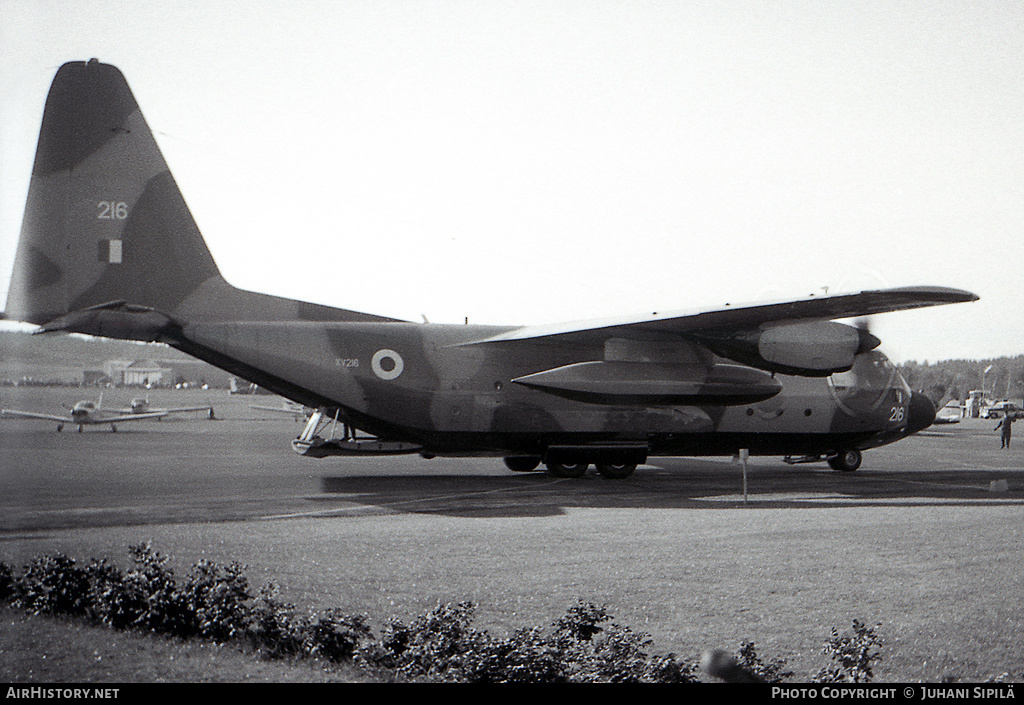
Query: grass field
914,542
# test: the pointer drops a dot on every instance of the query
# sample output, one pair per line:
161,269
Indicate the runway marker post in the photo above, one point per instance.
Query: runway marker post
744,454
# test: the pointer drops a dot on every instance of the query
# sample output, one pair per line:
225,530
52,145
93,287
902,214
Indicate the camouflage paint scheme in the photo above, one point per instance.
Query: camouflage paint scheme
108,247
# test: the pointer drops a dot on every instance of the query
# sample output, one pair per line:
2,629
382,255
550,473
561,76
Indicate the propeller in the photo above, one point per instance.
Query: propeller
868,342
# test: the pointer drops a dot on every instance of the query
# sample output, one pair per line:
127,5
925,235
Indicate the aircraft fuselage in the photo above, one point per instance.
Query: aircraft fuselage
424,383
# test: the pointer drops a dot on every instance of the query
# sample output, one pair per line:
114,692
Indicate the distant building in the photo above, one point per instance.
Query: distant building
138,373
196,372
154,373
975,402
95,378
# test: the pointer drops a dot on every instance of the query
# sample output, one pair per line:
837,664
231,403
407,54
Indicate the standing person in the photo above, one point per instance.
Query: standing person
1006,423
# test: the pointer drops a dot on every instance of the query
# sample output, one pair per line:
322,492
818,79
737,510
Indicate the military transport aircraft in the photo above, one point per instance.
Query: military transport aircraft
85,413
108,247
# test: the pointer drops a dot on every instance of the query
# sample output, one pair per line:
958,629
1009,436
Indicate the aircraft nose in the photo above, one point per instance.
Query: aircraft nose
921,414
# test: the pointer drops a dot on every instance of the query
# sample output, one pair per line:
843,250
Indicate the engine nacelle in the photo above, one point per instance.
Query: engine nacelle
808,349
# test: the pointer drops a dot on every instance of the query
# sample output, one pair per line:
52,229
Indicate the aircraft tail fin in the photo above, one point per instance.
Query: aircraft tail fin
107,231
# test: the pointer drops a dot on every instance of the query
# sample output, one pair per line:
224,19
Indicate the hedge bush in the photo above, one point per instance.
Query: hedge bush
215,602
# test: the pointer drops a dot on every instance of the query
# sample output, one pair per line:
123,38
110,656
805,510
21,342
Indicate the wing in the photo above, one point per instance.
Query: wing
182,409
670,324
128,417
162,412
791,337
12,413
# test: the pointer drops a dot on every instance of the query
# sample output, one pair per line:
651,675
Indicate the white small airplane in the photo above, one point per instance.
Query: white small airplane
86,413
140,405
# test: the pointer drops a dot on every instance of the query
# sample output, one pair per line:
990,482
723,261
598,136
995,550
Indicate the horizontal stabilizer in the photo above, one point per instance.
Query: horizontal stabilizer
116,319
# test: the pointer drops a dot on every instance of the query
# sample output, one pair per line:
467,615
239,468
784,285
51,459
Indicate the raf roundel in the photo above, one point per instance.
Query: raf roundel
387,364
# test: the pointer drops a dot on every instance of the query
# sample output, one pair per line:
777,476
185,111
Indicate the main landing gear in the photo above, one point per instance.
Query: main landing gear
615,471
567,469
522,463
611,471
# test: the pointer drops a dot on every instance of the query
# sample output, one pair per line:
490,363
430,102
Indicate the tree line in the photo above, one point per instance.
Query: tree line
1001,378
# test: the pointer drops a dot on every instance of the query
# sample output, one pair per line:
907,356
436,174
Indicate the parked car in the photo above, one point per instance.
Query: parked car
999,409
950,413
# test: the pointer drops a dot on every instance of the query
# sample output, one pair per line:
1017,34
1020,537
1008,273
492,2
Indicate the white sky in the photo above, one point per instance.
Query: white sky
532,162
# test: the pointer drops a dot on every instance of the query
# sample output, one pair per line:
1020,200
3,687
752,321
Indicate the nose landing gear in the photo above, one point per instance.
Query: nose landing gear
845,461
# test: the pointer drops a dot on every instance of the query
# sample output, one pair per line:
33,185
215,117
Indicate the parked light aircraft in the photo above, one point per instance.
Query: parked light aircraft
140,405
108,247
86,413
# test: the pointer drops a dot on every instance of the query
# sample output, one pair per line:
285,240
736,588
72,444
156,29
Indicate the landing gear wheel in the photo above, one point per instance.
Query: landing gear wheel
522,463
616,471
846,461
567,470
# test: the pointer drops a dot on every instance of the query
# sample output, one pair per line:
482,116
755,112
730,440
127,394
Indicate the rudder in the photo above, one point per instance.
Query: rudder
106,227
104,220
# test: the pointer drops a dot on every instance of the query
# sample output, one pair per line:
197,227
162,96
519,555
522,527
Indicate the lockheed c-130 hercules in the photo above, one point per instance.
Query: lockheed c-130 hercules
108,247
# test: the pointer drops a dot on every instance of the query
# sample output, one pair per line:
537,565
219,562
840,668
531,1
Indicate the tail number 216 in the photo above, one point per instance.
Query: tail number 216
111,210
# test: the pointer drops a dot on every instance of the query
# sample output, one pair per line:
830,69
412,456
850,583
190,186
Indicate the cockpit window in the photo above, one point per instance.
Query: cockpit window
864,386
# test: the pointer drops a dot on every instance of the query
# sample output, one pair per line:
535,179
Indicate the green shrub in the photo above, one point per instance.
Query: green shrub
853,656
217,601
151,584
527,656
611,653
770,672
7,588
619,655
435,645
110,602
273,628
54,585
334,635
580,622
442,645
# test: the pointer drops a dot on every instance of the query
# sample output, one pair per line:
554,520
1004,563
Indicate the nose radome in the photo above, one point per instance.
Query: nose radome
921,414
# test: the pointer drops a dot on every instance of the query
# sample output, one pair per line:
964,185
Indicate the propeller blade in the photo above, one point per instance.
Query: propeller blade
868,341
